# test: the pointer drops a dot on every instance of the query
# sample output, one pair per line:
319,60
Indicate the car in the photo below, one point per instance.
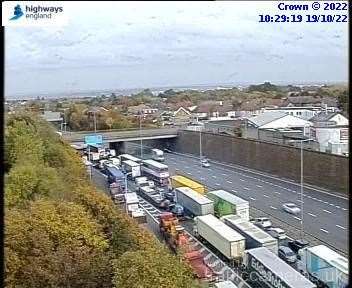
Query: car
291,208
262,222
287,254
277,233
205,163
296,245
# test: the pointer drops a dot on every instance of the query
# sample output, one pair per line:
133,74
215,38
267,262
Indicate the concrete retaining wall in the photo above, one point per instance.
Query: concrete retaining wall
320,169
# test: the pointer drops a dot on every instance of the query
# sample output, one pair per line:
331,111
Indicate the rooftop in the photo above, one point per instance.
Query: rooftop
266,117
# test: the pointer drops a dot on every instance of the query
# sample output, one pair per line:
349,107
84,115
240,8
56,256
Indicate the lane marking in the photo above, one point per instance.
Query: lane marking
327,211
202,178
246,188
213,176
224,174
273,208
326,202
331,204
312,215
265,196
299,201
252,198
234,191
217,184
337,206
314,198
341,227
299,219
344,209
277,192
229,182
259,186
242,180
324,230
189,173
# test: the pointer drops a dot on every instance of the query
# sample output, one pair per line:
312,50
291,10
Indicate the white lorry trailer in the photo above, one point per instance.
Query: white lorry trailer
132,167
266,268
324,266
158,155
255,237
193,203
226,240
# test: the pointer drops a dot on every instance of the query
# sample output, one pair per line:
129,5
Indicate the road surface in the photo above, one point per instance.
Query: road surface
324,216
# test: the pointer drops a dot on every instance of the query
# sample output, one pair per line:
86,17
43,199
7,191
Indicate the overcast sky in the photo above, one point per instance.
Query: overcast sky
146,44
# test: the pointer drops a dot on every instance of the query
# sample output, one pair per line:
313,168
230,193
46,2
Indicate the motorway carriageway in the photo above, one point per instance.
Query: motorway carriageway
325,215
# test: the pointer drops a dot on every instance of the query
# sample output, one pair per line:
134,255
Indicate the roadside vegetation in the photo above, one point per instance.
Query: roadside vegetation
61,232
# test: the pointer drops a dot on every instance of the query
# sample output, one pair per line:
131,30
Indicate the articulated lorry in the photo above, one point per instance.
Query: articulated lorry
193,203
227,241
324,266
255,237
182,181
270,271
226,203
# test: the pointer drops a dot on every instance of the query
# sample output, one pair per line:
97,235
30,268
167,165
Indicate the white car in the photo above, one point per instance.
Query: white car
277,233
205,163
291,208
263,222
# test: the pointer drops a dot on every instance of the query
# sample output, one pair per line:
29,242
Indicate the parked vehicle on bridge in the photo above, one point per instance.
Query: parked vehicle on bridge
324,266
291,208
255,237
226,240
158,155
273,271
225,203
194,203
286,254
156,171
182,181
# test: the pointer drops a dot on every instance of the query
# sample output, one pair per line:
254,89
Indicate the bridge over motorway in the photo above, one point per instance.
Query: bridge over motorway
122,135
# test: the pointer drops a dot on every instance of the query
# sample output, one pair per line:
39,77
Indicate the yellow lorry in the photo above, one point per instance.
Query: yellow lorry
181,181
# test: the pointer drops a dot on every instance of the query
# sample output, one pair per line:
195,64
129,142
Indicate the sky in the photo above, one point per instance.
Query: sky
118,45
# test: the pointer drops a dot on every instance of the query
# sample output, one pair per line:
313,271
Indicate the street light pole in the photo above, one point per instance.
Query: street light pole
200,143
140,132
302,190
95,123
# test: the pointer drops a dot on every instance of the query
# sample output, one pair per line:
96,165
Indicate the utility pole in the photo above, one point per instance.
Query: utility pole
200,143
95,123
140,132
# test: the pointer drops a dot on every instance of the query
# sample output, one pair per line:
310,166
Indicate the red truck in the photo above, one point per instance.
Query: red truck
178,241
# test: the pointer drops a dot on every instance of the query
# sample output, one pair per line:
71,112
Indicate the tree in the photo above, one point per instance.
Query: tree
151,268
55,244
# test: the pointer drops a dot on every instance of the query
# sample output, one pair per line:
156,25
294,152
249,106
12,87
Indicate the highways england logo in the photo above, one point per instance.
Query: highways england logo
17,13
36,12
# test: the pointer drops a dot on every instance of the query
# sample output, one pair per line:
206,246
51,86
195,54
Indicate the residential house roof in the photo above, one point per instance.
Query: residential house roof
323,117
96,110
266,118
302,100
214,106
138,108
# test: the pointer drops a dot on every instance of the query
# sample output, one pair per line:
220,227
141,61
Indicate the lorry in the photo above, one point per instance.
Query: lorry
267,268
323,266
115,175
182,181
154,197
178,241
227,241
225,203
143,181
131,202
132,167
117,193
158,155
255,237
193,203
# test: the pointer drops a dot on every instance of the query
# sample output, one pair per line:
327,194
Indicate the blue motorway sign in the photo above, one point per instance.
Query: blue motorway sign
93,139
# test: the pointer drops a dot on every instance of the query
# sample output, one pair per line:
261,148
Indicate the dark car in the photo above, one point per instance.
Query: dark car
296,245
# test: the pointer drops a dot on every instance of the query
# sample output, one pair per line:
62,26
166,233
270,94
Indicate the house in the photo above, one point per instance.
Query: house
208,109
181,116
274,120
330,130
143,109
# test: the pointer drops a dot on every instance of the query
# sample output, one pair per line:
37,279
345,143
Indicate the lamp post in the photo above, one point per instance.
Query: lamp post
305,140
95,122
140,132
200,143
